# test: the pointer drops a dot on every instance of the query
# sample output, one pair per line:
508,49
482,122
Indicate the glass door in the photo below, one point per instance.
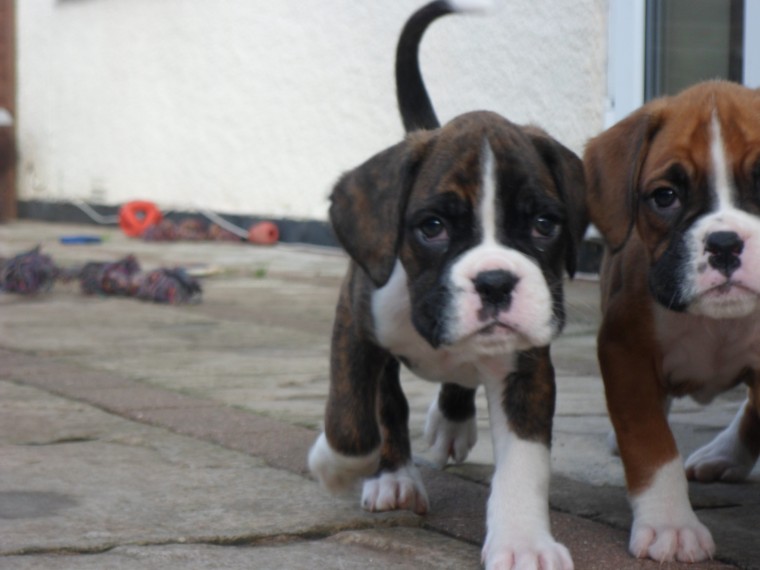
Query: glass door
688,41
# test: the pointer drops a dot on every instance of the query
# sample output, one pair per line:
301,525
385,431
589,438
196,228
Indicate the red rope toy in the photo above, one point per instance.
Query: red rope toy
136,217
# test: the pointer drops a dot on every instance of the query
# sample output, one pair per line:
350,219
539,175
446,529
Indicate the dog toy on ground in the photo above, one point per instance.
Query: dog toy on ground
28,273
33,272
187,230
137,216
264,233
173,286
115,278
143,219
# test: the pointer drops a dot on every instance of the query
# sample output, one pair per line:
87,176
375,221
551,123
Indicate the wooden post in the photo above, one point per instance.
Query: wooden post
8,208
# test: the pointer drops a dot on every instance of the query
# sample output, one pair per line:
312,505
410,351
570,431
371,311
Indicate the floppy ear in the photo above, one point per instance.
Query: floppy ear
369,202
613,162
567,171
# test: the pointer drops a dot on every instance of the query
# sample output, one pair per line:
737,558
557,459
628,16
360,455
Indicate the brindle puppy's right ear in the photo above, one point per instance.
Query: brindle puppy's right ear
369,202
613,162
567,170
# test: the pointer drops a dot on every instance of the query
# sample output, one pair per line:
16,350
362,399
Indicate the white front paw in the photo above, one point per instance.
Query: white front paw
540,552
447,438
665,527
685,541
393,490
338,472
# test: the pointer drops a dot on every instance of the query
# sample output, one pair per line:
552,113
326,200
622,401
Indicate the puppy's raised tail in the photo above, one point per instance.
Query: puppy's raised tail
413,101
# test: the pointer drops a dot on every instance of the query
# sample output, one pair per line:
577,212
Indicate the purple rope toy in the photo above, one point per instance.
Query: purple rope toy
110,278
32,272
123,277
173,286
28,273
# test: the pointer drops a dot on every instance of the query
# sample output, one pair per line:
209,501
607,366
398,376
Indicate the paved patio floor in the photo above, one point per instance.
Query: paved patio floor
136,435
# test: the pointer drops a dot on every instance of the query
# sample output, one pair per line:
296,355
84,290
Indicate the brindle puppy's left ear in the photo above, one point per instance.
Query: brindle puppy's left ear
567,171
369,202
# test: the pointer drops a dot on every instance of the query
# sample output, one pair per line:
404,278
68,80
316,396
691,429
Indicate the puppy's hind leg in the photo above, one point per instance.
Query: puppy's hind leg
398,484
734,451
450,428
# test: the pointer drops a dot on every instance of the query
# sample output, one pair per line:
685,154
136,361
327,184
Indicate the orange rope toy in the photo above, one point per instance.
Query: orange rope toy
264,233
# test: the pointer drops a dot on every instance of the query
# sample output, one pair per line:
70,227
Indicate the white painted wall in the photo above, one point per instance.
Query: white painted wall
256,107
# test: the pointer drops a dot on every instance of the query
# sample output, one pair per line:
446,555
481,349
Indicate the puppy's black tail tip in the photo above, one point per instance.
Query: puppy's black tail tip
413,101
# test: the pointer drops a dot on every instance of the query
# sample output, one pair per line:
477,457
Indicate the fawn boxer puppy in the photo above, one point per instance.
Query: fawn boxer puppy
459,237
675,190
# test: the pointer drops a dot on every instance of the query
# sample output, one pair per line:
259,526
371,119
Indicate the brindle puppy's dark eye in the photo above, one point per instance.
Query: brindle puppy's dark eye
665,199
432,231
544,228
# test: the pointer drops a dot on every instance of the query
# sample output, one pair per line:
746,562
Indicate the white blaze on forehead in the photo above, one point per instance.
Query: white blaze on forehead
696,277
721,175
487,209
530,314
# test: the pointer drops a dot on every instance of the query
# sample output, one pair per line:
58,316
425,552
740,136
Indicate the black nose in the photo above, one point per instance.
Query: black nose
495,288
724,249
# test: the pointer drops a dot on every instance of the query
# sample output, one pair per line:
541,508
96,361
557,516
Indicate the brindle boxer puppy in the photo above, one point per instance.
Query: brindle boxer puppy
459,238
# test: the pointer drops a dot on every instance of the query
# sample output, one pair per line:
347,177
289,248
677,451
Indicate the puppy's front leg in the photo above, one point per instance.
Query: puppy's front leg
349,448
665,527
521,411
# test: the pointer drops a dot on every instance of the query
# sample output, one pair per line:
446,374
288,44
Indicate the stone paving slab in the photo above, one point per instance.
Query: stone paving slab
400,549
87,481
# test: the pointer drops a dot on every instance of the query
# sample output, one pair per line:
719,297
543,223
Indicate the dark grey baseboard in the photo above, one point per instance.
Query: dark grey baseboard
311,232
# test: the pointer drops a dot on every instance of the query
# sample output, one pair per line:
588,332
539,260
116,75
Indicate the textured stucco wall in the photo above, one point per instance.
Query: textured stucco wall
255,107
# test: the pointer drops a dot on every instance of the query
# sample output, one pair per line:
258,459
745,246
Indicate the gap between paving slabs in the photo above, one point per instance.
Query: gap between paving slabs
458,504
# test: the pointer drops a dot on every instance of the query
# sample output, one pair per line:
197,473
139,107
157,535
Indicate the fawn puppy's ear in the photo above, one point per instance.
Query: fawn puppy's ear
613,162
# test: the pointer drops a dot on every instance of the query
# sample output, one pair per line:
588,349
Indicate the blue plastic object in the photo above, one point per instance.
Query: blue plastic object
80,240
